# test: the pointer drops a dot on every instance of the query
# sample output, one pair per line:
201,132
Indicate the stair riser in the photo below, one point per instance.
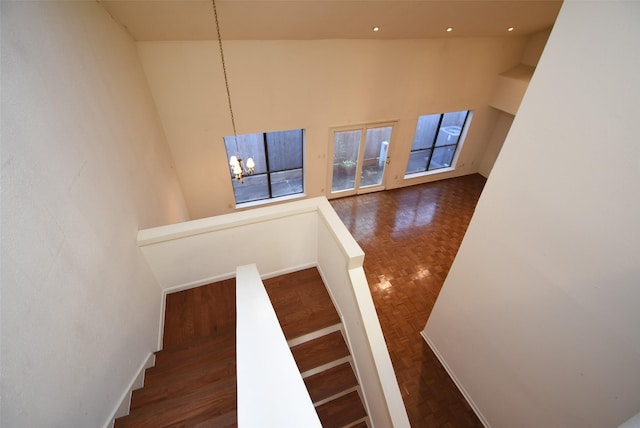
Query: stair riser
188,384
212,401
156,374
168,357
331,382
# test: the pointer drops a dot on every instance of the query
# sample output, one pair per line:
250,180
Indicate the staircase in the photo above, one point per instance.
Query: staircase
193,382
313,330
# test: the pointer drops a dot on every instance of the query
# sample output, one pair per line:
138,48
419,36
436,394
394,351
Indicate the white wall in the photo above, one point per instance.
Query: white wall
84,165
503,123
210,249
315,85
510,89
535,46
538,318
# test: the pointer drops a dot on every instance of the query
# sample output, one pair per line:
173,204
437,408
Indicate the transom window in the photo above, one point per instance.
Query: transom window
436,141
278,164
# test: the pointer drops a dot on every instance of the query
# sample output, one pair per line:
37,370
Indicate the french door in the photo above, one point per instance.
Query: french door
360,156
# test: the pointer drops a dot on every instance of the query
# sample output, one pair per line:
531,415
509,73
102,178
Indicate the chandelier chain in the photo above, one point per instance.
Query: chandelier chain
224,72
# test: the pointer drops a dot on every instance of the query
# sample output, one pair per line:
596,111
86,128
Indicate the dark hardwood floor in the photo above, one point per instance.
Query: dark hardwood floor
410,237
193,382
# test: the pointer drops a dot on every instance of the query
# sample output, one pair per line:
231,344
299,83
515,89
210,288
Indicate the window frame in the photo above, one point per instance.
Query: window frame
363,128
432,147
268,173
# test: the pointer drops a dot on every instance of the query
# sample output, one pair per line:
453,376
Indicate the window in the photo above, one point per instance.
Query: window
435,141
278,164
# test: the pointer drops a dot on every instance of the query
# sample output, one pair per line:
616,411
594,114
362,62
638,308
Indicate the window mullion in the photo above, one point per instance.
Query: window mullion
266,160
433,143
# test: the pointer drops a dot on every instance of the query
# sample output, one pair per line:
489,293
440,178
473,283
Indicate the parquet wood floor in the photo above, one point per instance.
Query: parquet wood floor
410,237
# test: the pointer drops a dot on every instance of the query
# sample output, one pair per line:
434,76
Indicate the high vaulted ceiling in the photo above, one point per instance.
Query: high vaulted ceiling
151,20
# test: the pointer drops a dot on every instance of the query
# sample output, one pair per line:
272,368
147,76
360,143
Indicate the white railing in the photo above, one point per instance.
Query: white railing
340,261
280,239
271,392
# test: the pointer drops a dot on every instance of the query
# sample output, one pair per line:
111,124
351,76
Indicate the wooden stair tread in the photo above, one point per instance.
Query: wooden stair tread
330,382
214,400
185,383
164,375
185,351
199,312
193,383
341,411
304,307
322,350
226,420
360,425
301,302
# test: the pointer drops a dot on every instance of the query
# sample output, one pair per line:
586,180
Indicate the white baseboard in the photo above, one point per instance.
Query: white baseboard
211,280
198,283
136,382
455,380
182,287
288,270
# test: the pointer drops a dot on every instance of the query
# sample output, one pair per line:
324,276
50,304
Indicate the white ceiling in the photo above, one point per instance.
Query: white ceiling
149,20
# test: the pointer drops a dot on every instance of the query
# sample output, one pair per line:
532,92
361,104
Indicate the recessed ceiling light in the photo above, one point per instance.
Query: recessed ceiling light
510,29
376,28
449,29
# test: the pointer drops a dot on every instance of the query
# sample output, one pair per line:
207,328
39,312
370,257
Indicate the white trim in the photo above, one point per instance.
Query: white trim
137,382
431,176
263,202
163,306
199,283
428,173
375,124
354,423
211,280
357,190
455,380
338,395
314,335
288,270
225,221
329,365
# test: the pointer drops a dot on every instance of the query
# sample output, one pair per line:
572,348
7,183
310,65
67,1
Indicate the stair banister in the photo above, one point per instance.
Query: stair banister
271,392
181,255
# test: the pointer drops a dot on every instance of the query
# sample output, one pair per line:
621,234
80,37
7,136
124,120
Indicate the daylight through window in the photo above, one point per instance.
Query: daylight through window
436,141
278,158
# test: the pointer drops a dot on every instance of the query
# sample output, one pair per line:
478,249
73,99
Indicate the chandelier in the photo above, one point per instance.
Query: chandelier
238,167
